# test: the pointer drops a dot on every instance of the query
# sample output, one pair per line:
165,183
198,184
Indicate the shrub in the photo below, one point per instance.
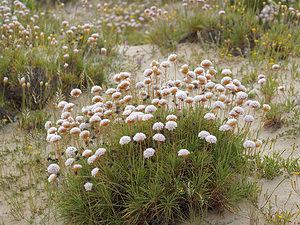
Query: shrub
128,185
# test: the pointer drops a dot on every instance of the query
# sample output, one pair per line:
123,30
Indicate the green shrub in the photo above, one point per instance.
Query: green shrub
124,191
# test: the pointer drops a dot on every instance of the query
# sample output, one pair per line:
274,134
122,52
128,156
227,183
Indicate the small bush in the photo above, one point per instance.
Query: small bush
171,183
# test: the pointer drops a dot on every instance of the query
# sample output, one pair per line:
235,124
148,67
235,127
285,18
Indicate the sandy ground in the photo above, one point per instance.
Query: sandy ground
245,214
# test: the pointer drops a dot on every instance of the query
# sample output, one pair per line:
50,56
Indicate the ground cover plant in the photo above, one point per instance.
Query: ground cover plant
271,31
42,52
179,153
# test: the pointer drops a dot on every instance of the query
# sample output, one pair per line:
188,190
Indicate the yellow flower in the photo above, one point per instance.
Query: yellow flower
222,54
222,26
174,30
34,153
254,53
29,147
253,29
255,41
289,35
81,37
296,173
229,55
280,217
166,5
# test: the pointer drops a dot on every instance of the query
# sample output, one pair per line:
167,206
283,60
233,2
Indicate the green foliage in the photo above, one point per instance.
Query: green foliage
124,192
270,166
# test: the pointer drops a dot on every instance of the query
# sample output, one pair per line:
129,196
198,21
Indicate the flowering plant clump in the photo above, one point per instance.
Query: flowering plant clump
190,133
65,54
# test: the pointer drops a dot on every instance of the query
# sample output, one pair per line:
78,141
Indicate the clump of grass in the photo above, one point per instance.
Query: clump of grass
218,25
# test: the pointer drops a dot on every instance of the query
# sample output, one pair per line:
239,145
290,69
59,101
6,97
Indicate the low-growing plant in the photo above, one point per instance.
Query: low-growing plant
141,156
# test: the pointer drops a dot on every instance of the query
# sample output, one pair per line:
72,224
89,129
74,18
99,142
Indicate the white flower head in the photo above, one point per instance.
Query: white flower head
248,119
171,118
147,117
150,109
266,107
239,110
53,168
139,137
149,152
254,104
95,171
88,186
92,159
226,72
231,122
183,152
211,139
249,144
125,140
203,134
52,178
225,128
181,95
77,167
87,153
172,57
158,126
241,95
100,152
96,89
275,67
48,124
219,105
69,162
209,116
71,151
171,125
55,138
159,137
75,92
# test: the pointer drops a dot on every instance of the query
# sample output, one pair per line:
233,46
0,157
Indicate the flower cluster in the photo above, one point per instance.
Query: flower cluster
117,107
